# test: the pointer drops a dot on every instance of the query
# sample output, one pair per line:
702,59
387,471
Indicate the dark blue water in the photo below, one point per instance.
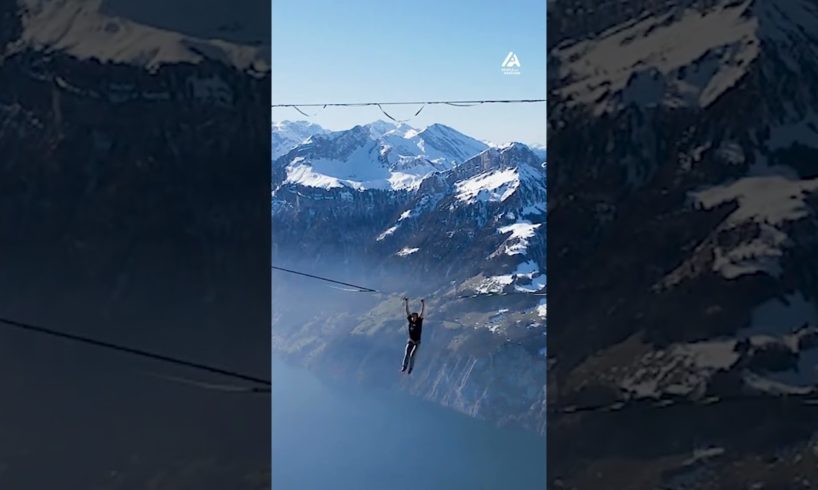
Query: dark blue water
327,436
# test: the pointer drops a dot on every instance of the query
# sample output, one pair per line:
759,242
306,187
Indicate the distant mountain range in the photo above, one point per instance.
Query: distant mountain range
287,135
426,185
432,212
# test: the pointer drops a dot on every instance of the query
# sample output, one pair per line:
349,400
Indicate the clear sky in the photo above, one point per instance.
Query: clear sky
367,50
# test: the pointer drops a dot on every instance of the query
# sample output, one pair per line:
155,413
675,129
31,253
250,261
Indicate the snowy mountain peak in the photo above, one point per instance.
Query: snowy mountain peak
289,134
450,142
510,155
392,186
380,128
85,29
497,174
640,63
378,155
405,210
440,129
514,146
295,125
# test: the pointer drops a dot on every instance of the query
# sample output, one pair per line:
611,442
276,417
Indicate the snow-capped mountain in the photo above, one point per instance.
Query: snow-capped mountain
375,156
404,183
684,145
433,212
88,29
286,135
493,202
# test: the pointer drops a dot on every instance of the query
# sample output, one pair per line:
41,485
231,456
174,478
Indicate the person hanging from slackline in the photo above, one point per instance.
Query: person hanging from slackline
415,329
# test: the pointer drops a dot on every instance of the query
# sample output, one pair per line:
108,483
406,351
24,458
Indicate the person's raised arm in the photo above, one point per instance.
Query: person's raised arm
406,304
422,307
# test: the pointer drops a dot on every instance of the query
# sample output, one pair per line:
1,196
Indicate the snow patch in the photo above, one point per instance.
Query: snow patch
681,369
769,200
389,231
517,243
305,175
494,284
406,181
542,309
704,454
494,186
406,251
645,64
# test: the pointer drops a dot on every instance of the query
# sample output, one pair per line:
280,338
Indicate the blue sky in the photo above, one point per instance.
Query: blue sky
366,50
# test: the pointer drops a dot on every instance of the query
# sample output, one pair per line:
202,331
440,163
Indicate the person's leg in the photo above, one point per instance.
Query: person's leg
412,356
406,356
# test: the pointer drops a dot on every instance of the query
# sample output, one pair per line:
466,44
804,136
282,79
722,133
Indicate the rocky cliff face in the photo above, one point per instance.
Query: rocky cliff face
430,213
690,163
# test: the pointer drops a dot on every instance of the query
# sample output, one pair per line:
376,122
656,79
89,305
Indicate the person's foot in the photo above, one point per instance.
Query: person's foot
410,371
403,369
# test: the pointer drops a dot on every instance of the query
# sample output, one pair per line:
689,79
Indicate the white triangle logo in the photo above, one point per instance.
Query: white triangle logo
511,61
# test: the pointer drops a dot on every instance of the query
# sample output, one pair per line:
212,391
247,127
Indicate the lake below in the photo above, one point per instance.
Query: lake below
327,435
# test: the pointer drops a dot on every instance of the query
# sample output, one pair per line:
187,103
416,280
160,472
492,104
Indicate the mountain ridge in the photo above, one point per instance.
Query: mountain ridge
87,30
468,227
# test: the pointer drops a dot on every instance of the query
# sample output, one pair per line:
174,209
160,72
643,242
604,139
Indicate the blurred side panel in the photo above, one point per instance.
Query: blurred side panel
134,209
682,258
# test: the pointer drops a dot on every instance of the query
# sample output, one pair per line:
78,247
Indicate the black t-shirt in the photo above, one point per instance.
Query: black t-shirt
415,328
